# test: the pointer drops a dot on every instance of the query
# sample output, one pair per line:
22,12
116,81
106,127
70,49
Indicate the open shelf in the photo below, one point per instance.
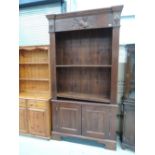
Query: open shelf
81,96
83,81
85,47
85,66
33,56
33,85
34,72
34,63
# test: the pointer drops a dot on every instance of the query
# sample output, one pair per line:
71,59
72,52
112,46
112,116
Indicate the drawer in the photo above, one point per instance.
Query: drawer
22,103
37,104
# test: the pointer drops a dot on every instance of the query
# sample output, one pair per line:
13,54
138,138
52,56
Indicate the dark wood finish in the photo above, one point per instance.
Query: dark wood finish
108,144
128,127
91,19
84,66
53,63
128,139
85,120
84,52
85,47
114,71
98,121
85,81
130,73
81,96
67,117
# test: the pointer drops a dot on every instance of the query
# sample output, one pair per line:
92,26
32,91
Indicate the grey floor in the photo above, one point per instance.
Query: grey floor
35,146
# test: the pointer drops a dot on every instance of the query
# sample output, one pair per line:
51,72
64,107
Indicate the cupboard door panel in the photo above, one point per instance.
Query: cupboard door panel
37,119
69,118
23,127
95,121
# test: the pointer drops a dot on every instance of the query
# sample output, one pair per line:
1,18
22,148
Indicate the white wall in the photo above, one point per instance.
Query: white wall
127,29
34,25
71,5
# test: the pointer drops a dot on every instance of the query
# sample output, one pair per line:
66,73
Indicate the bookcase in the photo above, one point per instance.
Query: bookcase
84,47
35,91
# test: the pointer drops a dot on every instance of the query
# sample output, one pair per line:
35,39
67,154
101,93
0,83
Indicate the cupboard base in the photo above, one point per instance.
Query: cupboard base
108,144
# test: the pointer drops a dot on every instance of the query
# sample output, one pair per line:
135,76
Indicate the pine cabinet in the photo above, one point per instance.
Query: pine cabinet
23,124
23,127
35,118
35,91
84,52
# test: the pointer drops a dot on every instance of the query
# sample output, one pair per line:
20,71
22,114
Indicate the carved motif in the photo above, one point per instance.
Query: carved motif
80,22
51,26
116,17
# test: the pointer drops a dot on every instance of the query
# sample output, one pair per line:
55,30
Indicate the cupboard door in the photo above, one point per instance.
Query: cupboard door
129,125
97,122
37,121
23,128
68,118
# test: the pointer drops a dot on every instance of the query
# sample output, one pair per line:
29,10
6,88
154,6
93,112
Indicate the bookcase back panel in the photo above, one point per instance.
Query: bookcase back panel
37,86
33,56
34,71
85,47
85,81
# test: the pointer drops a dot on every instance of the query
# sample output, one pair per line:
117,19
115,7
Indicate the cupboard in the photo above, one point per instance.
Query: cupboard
84,52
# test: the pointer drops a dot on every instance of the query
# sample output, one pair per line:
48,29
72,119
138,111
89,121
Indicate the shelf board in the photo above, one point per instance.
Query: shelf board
91,66
34,63
30,48
71,95
35,95
33,79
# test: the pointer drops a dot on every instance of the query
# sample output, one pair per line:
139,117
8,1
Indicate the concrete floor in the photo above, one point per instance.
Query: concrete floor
35,146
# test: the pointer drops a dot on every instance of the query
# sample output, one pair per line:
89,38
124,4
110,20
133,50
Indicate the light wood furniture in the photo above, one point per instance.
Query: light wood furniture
35,91
128,110
84,47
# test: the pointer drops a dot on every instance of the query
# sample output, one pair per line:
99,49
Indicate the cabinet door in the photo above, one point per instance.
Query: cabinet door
37,121
98,121
23,128
129,125
67,118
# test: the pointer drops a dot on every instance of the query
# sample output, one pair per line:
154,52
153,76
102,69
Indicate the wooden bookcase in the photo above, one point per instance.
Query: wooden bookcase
35,91
84,47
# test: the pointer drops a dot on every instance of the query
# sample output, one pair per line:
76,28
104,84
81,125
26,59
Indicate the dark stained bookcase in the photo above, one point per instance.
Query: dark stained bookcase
84,63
